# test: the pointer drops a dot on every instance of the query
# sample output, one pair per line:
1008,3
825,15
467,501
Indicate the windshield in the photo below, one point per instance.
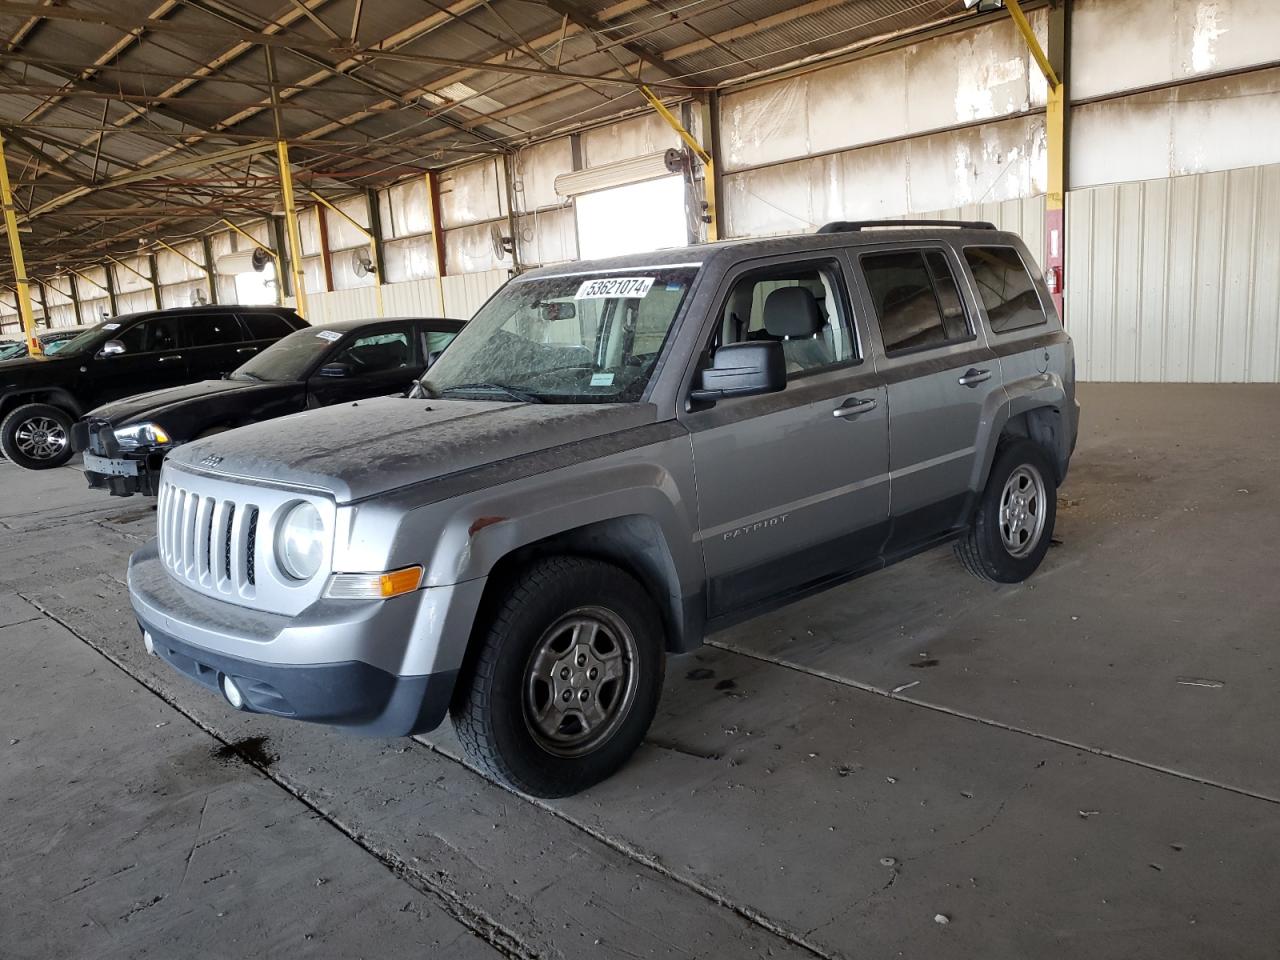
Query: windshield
11,351
52,345
290,358
90,338
570,339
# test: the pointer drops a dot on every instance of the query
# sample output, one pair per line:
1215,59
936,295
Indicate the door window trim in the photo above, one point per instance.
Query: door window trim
818,260
923,249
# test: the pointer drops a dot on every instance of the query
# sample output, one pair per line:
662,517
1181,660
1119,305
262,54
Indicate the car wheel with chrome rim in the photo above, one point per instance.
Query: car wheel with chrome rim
564,679
1010,531
37,436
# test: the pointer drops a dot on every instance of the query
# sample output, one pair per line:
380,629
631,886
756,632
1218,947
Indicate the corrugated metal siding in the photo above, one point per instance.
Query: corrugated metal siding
463,295
1177,279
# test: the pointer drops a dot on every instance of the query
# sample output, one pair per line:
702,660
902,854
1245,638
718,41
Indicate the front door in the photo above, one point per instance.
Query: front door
379,363
940,375
792,486
152,360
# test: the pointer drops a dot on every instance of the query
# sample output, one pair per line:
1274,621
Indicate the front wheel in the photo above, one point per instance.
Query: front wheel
566,679
37,436
1010,532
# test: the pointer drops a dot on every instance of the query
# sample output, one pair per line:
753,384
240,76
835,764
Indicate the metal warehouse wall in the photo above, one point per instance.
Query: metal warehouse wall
1172,211
1178,279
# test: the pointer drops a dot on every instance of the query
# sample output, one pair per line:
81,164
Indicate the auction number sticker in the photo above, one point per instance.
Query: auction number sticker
630,288
330,335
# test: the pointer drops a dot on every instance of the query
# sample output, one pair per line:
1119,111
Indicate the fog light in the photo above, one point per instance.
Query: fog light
148,642
232,692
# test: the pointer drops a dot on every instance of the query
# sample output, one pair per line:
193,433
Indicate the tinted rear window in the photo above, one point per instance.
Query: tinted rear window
1006,288
267,326
211,329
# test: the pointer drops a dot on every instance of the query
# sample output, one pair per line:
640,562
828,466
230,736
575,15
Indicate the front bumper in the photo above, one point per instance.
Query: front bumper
107,467
206,639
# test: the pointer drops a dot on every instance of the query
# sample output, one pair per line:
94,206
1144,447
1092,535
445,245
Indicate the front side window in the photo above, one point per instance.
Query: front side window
150,336
567,339
434,341
915,300
799,305
387,350
211,329
291,358
1007,290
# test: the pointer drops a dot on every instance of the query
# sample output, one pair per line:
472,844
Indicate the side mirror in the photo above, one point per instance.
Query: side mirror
112,348
433,356
743,370
335,370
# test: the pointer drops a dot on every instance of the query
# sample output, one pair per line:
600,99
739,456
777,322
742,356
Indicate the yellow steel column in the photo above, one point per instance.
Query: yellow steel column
291,220
15,252
708,165
1056,144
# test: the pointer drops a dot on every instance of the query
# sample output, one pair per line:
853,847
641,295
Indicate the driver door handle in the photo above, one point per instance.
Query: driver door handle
246,349
972,377
853,407
176,356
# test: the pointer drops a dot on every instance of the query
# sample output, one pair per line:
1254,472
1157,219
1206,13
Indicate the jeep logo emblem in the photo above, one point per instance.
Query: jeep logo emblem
211,461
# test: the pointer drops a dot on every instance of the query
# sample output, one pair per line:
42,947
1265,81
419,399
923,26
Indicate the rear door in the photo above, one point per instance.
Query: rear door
377,362
153,359
940,373
793,486
211,342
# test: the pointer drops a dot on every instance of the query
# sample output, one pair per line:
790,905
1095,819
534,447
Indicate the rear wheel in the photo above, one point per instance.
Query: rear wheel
1010,532
37,436
566,679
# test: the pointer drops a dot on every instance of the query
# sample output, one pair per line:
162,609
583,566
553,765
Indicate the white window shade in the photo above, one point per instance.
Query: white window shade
618,174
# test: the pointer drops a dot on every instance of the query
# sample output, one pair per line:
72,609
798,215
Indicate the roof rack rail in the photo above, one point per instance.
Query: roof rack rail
853,226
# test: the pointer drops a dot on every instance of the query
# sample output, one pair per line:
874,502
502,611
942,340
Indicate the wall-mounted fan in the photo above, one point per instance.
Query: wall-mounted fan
362,263
502,244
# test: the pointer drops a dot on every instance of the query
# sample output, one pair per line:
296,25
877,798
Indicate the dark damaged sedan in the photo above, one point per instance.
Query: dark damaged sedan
124,443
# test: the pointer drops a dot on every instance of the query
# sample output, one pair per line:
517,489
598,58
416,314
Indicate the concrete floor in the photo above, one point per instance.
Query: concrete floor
1078,766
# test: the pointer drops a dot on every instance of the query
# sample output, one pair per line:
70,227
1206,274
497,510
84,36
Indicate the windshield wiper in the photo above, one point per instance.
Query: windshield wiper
511,392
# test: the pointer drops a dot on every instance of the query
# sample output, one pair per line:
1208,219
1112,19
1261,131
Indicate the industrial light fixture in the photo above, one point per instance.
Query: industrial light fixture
983,6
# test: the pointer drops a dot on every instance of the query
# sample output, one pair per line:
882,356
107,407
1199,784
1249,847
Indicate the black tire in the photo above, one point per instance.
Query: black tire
494,711
985,548
37,436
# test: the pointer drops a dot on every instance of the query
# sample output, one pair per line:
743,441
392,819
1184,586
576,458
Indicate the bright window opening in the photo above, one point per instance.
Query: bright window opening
632,219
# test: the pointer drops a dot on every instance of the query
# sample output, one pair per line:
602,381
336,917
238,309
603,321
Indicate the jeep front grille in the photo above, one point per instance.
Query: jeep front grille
208,541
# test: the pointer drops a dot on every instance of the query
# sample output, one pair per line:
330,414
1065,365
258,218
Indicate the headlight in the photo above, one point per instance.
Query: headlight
142,435
300,542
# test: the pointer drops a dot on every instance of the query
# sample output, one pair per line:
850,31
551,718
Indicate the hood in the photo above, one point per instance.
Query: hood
24,371
149,406
362,449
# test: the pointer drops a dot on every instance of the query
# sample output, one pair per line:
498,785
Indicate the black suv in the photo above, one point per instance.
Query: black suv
41,397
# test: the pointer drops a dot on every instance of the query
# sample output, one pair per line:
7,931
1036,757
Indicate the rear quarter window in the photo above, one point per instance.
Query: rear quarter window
268,326
1006,288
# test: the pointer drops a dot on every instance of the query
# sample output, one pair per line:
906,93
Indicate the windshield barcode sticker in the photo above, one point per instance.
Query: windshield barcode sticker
631,288
330,335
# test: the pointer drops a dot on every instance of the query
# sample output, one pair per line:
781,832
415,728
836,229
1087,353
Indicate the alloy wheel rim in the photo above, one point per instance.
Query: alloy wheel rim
40,438
580,681
1023,509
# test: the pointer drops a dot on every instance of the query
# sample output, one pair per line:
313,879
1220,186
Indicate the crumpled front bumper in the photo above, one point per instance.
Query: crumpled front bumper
207,639
106,467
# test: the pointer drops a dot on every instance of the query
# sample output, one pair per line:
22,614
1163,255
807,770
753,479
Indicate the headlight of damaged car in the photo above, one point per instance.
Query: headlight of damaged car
300,542
142,435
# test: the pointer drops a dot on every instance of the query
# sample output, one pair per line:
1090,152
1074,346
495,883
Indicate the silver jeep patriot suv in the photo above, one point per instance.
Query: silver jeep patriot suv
613,459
